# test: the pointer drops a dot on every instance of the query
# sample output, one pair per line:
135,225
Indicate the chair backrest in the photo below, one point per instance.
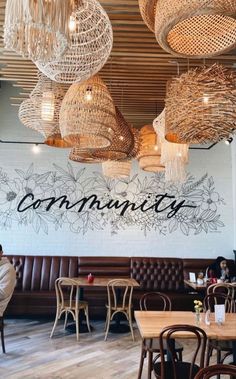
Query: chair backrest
119,292
209,372
218,298
67,289
150,300
219,288
168,334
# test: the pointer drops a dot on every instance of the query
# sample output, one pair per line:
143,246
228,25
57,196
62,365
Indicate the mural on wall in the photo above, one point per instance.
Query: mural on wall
73,199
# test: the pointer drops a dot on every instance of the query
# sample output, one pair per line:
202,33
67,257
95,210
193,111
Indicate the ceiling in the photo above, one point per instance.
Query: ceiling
136,72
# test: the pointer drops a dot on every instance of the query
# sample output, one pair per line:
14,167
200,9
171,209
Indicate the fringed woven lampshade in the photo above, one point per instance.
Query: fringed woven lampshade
149,156
37,29
87,115
83,156
91,43
196,28
122,142
148,10
200,106
116,169
174,156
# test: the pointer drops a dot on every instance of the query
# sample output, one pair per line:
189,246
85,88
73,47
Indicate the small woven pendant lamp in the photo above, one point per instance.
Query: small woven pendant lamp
116,169
174,156
83,156
149,156
91,43
41,111
37,29
87,115
196,28
200,106
148,11
122,142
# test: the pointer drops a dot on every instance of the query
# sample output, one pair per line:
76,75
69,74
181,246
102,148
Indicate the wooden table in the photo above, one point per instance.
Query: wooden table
150,324
195,286
101,281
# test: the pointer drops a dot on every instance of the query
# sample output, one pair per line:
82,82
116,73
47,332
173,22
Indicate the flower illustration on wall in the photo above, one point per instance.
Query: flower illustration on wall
81,202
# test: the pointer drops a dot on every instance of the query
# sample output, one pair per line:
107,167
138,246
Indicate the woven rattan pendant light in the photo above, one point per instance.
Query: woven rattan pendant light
83,156
122,142
41,111
148,11
196,28
91,43
149,155
174,156
87,115
37,29
117,169
200,106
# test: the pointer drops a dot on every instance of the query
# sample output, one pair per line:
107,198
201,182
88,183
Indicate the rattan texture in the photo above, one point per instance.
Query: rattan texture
83,156
196,28
87,115
149,155
200,106
122,143
37,29
116,169
174,156
148,10
91,44
27,115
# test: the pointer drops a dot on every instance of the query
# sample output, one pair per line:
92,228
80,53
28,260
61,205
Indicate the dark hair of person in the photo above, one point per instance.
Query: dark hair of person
215,267
0,247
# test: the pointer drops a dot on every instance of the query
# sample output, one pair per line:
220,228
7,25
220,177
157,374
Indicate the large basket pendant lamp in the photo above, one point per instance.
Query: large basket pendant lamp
148,11
149,156
117,169
91,43
37,29
200,106
174,156
87,115
196,28
122,142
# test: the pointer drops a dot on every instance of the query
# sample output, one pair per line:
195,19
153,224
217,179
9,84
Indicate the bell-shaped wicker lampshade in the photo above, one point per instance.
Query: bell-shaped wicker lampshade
149,156
87,115
200,106
91,44
122,142
41,111
116,169
174,156
148,11
37,29
196,28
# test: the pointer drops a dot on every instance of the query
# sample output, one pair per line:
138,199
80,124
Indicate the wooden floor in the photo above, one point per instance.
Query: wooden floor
32,355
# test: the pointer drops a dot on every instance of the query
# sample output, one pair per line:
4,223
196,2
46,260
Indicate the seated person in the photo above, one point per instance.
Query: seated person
219,270
7,281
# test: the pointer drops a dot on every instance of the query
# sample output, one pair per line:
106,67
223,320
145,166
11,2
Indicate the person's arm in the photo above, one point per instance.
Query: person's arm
7,283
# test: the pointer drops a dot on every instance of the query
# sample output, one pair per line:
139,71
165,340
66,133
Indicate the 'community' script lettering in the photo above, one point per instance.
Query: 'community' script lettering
162,203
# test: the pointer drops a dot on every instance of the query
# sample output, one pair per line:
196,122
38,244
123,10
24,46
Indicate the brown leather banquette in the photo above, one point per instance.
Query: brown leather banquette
35,292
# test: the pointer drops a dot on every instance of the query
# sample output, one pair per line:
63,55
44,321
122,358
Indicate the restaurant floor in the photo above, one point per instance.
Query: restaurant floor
32,355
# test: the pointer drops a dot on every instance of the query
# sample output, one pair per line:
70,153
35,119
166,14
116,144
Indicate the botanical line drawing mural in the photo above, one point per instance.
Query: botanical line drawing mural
72,198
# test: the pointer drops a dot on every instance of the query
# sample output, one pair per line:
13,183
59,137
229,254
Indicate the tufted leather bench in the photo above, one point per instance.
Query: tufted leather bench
35,293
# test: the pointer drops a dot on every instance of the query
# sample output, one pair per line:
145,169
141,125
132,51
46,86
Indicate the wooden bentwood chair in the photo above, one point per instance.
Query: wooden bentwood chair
151,346
2,334
173,368
220,346
119,294
67,294
209,372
